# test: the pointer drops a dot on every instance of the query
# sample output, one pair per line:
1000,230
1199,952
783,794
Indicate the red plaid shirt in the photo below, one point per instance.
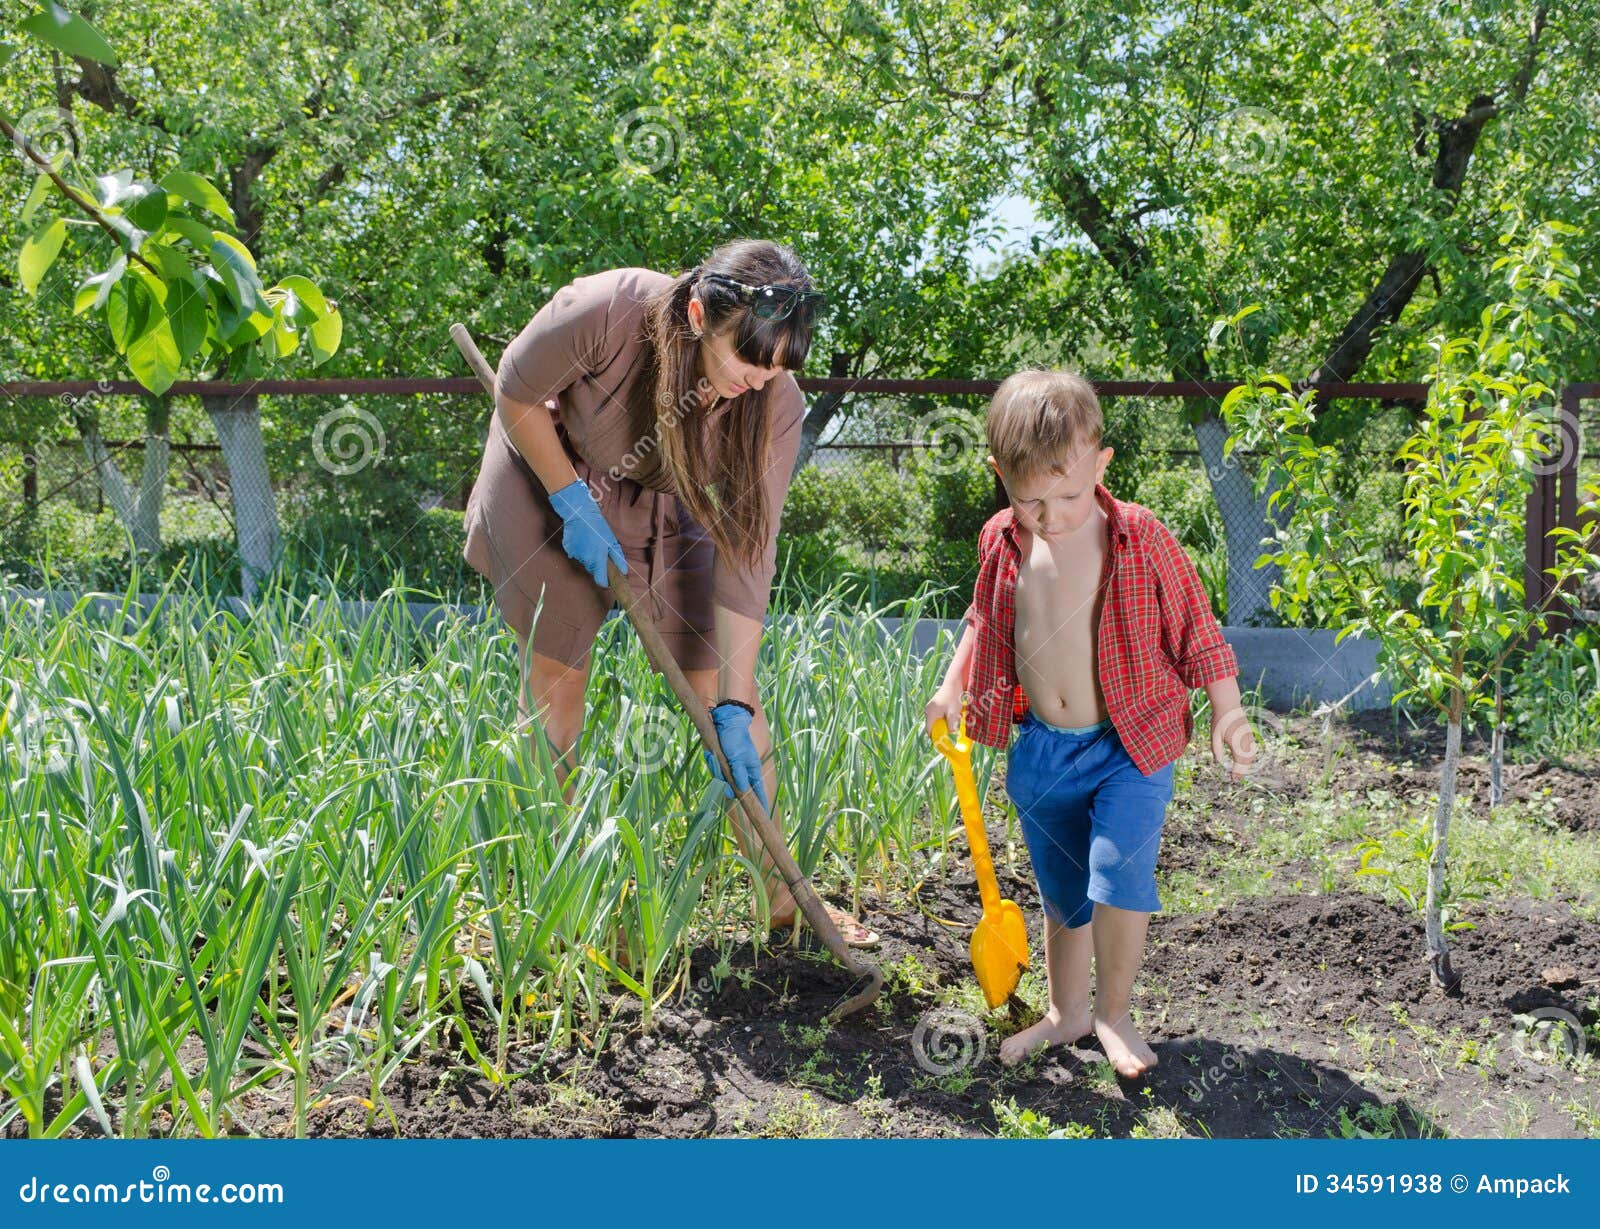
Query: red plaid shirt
1158,639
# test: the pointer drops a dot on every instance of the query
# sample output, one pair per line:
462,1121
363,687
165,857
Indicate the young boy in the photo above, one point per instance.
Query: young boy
1090,627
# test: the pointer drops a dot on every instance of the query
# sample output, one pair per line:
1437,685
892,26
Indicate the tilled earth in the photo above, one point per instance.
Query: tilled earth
1273,1015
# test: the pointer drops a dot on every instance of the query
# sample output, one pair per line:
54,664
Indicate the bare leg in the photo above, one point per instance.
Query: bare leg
1067,953
1118,950
556,692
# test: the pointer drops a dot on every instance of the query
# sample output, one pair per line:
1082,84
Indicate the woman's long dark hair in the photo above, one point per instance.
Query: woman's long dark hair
718,468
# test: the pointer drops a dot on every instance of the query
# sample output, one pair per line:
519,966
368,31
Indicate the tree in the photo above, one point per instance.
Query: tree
1332,162
176,292
1446,622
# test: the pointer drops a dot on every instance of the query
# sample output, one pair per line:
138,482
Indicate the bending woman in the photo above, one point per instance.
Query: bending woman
660,415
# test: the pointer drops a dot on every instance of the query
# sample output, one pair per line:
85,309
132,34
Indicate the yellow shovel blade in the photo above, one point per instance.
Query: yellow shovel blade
1000,951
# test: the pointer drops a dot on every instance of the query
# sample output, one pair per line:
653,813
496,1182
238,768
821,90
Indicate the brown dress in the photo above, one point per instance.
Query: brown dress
581,354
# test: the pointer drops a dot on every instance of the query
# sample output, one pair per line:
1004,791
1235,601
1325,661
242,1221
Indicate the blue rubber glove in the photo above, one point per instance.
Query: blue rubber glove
733,735
585,536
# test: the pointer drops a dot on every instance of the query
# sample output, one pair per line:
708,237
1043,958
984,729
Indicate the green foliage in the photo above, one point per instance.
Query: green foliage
1553,698
357,556
59,27
871,507
1401,858
1448,620
955,498
809,510
1013,1122
175,294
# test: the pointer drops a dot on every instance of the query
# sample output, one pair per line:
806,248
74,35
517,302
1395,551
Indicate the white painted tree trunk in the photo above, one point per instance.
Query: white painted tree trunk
113,485
255,514
137,509
1439,970
1245,522
152,491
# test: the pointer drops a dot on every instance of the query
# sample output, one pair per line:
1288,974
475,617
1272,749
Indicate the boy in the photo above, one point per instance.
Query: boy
1090,627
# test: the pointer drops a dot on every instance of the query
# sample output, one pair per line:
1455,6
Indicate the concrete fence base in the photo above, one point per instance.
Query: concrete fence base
1289,667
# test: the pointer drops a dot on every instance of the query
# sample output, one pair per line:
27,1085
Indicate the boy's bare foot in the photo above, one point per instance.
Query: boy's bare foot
1124,1047
1053,1029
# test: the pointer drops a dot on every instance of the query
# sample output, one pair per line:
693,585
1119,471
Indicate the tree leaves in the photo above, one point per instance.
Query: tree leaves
325,336
66,31
146,206
154,357
178,291
39,252
94,292
198,190
37,195
237,268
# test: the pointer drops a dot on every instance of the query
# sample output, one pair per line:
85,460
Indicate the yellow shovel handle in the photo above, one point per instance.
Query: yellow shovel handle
959,753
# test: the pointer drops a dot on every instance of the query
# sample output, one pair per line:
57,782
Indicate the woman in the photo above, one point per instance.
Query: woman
660,416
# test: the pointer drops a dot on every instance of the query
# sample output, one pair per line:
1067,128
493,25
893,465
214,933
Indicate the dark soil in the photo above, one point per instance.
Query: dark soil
1418,747
1279,1015
1290,1014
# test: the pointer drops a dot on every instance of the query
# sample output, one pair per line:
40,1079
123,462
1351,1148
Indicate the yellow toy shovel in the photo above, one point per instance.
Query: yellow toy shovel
1000,943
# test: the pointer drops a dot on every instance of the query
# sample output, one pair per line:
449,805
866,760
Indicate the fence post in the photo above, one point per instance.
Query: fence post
1541,516
1565,482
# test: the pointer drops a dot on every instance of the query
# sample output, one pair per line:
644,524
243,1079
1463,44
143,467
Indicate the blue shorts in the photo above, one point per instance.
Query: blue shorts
1091,819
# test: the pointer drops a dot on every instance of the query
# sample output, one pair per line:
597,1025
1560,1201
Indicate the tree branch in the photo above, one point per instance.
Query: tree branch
1458,140
71,193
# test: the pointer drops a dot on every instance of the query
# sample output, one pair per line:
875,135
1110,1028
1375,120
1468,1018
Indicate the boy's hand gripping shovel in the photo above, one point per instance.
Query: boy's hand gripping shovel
1000,943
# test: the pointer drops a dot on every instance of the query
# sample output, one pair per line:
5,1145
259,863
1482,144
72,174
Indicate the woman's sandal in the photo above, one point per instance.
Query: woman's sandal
851,930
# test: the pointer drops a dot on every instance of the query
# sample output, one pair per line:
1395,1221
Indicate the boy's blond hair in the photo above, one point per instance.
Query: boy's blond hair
1041,421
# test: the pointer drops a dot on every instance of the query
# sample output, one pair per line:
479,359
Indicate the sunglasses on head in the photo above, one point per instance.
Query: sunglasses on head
773,302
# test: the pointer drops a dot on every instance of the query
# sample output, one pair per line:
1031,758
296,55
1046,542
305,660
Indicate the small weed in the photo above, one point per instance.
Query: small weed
801,1119
909,976
1013,1122
1585,1117
1518,1116
872,1105
1374,1120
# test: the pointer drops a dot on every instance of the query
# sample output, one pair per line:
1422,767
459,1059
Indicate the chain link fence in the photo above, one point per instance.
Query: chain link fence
900,487
366,488
360,490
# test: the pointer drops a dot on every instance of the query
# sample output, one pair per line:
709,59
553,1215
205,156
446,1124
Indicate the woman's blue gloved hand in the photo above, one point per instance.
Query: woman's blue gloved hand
733,735
585,536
